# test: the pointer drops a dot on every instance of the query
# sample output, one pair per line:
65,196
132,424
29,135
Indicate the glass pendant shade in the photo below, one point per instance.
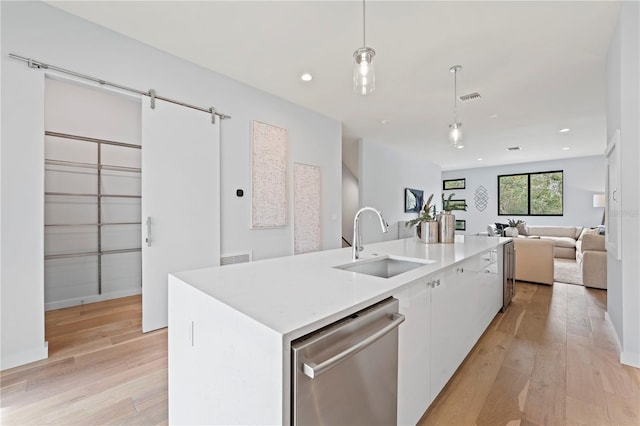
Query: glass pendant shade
364,75
455,135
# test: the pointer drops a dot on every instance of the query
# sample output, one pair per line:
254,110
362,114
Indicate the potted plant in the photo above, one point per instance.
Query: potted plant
427,229
512,230
447,220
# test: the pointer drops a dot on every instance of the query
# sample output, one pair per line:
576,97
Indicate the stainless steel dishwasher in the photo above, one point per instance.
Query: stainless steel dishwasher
347,373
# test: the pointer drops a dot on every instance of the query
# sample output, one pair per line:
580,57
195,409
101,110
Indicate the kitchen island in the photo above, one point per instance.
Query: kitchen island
231,327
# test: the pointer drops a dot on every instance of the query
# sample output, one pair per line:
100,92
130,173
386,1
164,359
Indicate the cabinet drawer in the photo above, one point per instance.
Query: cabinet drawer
481,262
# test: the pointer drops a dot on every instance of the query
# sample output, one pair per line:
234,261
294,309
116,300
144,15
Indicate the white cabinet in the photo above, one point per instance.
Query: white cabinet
487,292
464,300
450,310
414,353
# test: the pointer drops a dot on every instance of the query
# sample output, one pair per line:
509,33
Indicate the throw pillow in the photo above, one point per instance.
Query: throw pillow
501,226
585,231
522,229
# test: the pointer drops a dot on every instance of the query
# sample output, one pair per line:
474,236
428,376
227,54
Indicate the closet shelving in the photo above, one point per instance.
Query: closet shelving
99,167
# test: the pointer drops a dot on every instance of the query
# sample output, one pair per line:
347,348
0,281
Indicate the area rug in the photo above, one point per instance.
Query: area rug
567,271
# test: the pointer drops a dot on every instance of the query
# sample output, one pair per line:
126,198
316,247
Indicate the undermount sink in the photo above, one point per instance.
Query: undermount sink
384,266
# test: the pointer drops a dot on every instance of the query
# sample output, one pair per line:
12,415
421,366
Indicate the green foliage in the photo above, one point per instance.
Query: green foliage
513,194
513,222
546,193
449,204
427,213
544,197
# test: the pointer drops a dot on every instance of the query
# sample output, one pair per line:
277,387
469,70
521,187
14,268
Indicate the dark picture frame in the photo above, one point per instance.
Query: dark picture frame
454,184
461,225
413,199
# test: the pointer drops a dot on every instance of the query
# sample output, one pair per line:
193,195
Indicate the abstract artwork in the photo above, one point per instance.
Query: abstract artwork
481,198
269,175
413,199
307,208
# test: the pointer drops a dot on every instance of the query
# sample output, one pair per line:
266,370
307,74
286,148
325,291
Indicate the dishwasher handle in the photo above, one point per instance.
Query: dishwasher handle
311,369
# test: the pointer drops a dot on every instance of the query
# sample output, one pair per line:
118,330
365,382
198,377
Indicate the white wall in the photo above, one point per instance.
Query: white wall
37,30
623,88
350,202
583,177
384,174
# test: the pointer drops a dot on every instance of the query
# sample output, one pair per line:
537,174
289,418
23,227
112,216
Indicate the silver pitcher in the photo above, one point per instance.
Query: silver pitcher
447,227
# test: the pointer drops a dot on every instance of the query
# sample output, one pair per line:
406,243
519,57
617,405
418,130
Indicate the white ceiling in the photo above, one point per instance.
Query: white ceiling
539,65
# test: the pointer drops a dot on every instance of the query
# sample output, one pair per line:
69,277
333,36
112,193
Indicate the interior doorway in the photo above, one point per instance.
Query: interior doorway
92,194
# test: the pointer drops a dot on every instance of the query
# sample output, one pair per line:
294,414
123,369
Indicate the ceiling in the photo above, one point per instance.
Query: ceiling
539,66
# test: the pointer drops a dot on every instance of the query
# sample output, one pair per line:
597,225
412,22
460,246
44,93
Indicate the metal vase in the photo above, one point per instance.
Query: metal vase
447,226
428,232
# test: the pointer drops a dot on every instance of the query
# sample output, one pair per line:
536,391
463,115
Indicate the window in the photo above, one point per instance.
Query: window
530,194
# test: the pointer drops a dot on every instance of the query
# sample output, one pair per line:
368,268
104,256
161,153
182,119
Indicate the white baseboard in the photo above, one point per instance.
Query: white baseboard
615,333
628,358
24,357
91,299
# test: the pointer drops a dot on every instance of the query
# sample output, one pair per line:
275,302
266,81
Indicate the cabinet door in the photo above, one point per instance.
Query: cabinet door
180,197
486,292
413,353
449,317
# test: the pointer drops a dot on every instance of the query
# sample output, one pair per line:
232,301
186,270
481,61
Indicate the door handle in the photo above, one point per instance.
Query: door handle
311,369
148,239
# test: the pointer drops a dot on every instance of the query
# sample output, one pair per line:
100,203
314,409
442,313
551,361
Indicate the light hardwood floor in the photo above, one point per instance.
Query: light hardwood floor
549,360
101,370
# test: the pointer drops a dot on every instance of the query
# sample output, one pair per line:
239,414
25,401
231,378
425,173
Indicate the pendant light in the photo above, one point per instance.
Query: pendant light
455,128
364,76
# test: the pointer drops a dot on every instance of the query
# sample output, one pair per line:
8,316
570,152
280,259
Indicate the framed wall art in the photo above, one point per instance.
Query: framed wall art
413,199
268,175
307,208
454,184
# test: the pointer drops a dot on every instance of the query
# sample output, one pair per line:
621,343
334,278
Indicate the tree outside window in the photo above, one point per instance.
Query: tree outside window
531,194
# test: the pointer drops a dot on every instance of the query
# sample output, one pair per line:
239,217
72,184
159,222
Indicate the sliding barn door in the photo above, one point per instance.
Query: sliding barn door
180,200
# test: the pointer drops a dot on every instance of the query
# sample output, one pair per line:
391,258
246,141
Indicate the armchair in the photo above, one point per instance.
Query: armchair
594,261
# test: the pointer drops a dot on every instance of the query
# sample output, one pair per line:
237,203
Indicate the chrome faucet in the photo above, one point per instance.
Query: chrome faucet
357,237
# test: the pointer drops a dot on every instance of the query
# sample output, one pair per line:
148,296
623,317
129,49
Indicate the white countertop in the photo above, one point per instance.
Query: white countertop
294,294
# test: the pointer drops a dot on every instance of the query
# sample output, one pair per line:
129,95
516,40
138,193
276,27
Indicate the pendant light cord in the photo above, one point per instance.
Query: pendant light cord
364,26
455,98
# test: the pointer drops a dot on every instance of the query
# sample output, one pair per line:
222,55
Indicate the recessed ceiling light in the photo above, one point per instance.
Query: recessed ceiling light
493,115
384,121
565,130
479,159
566,148
459,146
306,77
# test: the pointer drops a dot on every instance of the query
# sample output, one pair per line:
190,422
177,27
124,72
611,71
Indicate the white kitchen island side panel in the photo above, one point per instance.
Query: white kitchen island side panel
216,355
